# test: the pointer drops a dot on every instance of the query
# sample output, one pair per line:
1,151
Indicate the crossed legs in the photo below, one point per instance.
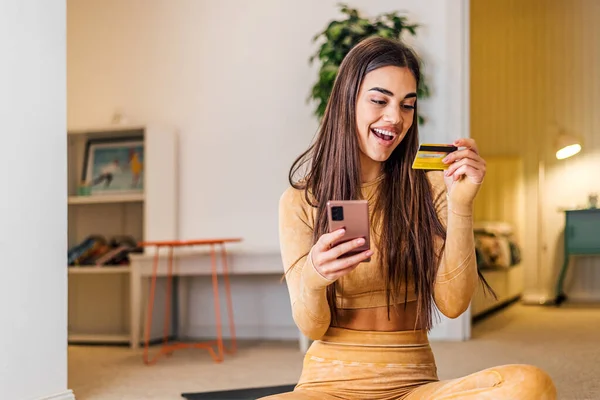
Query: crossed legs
523,382
349,365
515,381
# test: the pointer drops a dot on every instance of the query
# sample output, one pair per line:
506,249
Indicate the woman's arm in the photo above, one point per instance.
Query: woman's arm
456,278
307,288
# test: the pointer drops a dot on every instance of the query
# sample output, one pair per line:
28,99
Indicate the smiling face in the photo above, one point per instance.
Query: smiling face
385,109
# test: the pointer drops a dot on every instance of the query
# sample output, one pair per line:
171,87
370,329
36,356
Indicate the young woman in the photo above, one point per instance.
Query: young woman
370,319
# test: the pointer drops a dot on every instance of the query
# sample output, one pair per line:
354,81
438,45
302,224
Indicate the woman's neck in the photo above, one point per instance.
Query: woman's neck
369,169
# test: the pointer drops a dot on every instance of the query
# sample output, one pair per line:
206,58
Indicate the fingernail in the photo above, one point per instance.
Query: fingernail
445,159
360,241
342,231
369,253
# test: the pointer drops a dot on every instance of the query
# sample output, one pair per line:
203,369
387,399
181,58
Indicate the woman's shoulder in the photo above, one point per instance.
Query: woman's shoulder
294,196
294,207
291,194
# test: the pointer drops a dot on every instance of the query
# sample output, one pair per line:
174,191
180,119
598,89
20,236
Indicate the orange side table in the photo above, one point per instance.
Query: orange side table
168,348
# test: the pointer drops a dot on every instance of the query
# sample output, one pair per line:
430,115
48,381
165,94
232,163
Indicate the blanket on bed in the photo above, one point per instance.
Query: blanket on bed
495,245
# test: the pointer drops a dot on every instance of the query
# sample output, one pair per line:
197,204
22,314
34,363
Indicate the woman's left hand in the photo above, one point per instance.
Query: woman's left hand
465,163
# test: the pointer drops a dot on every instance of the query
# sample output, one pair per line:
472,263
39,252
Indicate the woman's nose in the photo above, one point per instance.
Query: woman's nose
392,116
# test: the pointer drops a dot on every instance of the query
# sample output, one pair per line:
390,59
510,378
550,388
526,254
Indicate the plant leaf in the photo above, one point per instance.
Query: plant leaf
341,36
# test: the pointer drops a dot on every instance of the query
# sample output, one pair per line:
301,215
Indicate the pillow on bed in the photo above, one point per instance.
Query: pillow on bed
495,245
494,251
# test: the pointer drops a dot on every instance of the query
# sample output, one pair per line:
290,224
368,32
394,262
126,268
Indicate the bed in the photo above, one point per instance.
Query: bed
499,230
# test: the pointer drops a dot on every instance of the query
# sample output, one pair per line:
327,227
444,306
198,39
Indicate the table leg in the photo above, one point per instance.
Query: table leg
173,311
560,294
215,283
167,321
233,347
149,310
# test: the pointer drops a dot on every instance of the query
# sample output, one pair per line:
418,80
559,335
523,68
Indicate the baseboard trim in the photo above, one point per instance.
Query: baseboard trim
583,297
537,300
495,309
252,332
67,395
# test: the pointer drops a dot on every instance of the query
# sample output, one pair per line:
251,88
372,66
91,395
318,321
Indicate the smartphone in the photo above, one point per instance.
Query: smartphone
352,215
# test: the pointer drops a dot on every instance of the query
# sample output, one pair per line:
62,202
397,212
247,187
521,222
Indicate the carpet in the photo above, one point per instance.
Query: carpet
561,340
240,394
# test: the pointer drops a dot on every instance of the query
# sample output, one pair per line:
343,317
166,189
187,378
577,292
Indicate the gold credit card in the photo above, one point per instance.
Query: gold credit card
430,156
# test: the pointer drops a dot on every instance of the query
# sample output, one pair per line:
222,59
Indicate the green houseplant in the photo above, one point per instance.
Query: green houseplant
341,35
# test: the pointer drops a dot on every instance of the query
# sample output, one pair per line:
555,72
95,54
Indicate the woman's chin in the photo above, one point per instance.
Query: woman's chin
380,150
372,155
378,156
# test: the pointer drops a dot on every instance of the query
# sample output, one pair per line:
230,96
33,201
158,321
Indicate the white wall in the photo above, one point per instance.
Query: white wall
234,76
33,211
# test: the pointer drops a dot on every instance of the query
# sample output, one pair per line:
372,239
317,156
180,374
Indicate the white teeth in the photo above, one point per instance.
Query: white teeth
382,132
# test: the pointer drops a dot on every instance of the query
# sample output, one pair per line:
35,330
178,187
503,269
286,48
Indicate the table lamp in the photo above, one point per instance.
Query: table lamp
566,146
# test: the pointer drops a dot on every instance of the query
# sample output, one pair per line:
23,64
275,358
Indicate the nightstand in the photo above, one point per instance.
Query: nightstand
582,238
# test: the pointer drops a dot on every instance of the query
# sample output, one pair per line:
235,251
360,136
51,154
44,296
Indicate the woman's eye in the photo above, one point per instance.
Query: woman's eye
408,107
376,101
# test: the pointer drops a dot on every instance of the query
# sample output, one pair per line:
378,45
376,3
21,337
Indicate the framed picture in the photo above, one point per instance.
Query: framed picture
114,166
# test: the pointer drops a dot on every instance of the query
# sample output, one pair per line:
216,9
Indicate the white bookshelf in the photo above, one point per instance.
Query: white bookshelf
99,296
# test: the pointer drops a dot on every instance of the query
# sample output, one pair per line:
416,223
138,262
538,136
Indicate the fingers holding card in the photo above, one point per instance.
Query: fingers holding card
465,162
458,160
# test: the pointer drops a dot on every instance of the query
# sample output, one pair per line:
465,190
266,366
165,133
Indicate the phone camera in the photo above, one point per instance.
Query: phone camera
337,213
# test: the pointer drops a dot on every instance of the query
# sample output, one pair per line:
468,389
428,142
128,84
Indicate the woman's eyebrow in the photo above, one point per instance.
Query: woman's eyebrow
389,93
382,90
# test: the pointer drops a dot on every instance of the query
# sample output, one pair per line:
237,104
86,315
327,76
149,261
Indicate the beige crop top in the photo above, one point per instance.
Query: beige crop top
364,286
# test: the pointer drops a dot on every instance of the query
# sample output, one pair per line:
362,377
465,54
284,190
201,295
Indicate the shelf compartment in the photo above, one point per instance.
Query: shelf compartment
107,198
93,269
75,337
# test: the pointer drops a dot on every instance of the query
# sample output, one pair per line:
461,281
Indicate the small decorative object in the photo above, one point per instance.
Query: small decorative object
84,189
114,165
593,200
341,36
119,118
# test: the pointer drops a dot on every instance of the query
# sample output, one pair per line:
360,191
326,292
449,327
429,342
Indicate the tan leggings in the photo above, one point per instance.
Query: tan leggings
347,364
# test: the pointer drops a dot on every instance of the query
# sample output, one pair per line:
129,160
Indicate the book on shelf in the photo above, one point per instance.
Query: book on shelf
98,251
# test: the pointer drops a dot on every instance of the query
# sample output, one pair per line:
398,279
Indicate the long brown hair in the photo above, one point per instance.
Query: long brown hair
404,206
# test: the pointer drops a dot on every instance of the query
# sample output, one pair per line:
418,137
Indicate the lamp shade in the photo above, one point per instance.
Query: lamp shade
567,146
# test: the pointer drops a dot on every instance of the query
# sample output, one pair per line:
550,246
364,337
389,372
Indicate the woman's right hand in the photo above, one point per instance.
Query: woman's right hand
325,258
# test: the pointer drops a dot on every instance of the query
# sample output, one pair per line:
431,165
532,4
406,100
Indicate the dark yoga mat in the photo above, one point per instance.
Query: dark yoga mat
240,394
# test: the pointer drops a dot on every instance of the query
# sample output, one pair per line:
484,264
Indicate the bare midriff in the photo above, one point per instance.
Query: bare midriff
400,318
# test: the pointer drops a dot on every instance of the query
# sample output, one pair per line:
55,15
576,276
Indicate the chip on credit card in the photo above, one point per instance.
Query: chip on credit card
430,156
